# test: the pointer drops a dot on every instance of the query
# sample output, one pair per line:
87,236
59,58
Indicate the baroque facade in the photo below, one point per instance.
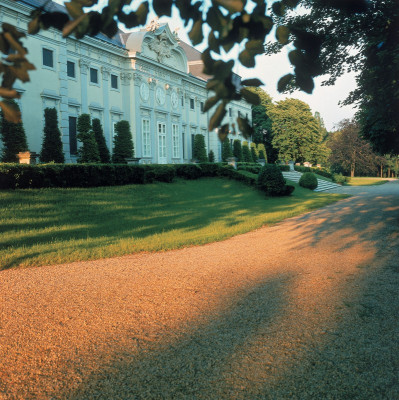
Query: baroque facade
148,77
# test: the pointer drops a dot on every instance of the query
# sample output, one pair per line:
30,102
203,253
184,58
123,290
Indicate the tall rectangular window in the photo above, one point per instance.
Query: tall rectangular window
230,112
93,75
71,69
73,144
192,104
48,58
202,106
114,81
183,144
175,141
239,114
146,137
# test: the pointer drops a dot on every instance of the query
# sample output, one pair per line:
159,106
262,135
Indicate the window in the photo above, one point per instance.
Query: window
202,106
183,144
73,144
146,138
192,104
71,69
239,114
114,81
93,75
230,112
182,101
175,141
48,58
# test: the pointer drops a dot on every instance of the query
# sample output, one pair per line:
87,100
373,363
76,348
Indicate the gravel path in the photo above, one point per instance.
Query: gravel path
305,309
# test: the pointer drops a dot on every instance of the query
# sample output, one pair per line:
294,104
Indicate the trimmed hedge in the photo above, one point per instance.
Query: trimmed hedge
318,171
308,180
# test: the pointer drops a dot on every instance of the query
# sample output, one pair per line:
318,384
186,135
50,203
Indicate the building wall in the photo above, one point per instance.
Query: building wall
154,90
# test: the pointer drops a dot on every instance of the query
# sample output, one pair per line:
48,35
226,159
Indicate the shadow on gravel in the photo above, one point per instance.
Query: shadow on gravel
194,365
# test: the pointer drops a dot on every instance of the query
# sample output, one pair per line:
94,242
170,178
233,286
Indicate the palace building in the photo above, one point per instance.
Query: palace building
148,77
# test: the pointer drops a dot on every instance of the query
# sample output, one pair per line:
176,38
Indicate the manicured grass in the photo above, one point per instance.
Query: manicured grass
48,226
323,178
366,181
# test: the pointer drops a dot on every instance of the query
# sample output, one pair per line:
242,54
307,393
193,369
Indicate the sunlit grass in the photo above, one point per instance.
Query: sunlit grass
48,226
366,181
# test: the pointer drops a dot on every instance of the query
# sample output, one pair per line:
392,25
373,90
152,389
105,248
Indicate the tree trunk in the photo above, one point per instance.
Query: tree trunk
381,171
352,170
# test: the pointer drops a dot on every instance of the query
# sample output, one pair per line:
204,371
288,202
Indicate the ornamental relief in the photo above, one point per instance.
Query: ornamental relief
161,47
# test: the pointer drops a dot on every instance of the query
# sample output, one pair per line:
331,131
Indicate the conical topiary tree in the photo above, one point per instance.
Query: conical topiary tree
246,154
88,153
262,151
123,143
199,151
237,149
52,143
226,150
211,156
13,137
103,151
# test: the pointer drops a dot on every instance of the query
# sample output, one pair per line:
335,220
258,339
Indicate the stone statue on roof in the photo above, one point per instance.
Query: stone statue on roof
153,25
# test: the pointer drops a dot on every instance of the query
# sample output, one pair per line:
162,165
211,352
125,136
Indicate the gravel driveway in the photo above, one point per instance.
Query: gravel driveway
305,309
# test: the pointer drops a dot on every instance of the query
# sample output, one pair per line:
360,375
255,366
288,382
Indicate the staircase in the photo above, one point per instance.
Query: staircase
322,185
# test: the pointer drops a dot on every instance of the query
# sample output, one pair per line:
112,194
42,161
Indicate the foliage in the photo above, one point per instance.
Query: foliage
363,40
350,153
226,150
296,133
246,154
100,139
211,156
199,150
88,152
254,153
261,155
262,124
339,178
308,180
123,143
271,180
13,137
261,151
52,143
237,149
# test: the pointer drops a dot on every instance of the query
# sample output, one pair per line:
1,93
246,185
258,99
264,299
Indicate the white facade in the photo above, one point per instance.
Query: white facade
147,77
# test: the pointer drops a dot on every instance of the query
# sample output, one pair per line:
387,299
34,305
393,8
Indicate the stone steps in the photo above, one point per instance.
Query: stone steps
322,185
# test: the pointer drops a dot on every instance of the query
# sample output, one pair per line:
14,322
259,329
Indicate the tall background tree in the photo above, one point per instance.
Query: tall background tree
52,143
199,150
103,151
123,143
350,153
88,152
296,134
13,136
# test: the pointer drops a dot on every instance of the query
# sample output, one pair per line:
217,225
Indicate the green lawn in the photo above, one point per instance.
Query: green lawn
48,226
366,181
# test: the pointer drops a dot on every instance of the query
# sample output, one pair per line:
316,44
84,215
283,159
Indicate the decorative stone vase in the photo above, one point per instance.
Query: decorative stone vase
232,161
134,160
261,161
24,157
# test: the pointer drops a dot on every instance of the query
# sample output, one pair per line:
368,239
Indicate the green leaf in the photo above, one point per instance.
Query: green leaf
213,43
296,57
252,82
162,7
304,81
255,46
74,9
250,96
11,112
244,127
278,8
217,117
232,6
282,34
211,101
247,59
284,81
223,131
196,36
72,25
291,3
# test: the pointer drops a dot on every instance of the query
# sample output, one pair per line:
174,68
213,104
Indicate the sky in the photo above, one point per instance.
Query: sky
269,69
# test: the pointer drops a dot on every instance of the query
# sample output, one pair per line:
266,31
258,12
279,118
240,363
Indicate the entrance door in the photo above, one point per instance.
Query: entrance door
161,143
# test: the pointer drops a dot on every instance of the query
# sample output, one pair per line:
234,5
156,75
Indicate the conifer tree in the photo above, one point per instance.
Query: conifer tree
52,143
211,156
13,137
88,153
253,154
226,150
123,143
105,157
246,155
237,149
199,151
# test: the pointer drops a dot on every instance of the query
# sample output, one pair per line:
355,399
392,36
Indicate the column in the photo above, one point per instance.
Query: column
137,115
107,122
84,66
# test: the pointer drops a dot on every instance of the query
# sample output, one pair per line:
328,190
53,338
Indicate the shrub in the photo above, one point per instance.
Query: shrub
188,171
340,179
301,168
261,151
211,156
271,180
210,169
88,153
283,167
237,149
253,168
103,151
246,154
226,150
161,173
308,180
13,137
123,143
52,143
253,154
199,150
261,155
